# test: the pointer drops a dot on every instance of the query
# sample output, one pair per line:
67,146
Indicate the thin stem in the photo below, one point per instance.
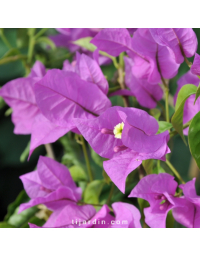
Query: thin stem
41,32
110,194
49,150
86,158
141,172
167,103
31,45
121,60
4,39
12,58
176,173
122,85
187,62
166,99
113,89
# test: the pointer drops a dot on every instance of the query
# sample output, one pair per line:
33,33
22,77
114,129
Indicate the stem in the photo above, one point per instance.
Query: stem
113,89
121,60
12,58
187,62
41,32
110,194
167,103
141,172
166,99
176,173
49,150
86,158
31,45
122,85
4,39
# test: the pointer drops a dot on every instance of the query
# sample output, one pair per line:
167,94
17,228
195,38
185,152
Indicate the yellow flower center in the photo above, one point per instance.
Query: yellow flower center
118,130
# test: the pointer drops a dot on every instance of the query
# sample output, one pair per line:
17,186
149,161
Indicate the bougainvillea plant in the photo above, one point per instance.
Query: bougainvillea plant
104,96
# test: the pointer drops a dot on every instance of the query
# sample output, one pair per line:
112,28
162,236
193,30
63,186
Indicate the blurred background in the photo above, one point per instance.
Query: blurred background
13,157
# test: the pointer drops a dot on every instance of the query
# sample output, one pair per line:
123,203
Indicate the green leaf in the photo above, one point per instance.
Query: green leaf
170,220
194,138
155,113
25,153
184,93
72,150
164,126
142,204
8,112
2,103
97,158
47,41
11,52
93,191
85,43
148,165
77,173
197,94
6,225
20,220
158,169
34,220
21,198
177,119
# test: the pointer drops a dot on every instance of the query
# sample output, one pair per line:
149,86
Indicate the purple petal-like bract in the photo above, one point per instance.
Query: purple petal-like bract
181,41
147,94
138,134
189,214
155,189
89,70
67,36
51,182
113,40
44,132
126,216
62,96
19,95
162,61
195,68
85,216
38,70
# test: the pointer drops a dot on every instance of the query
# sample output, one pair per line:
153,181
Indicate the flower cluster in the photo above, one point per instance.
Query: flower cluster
78,98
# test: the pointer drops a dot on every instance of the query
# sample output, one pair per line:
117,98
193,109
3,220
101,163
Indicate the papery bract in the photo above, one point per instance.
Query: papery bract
67,36
89,70
62,96
181,41
85,216
19,95
43,132
159,191
51,182
189,214
147,94
138,133
163,64
195,68
113,40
